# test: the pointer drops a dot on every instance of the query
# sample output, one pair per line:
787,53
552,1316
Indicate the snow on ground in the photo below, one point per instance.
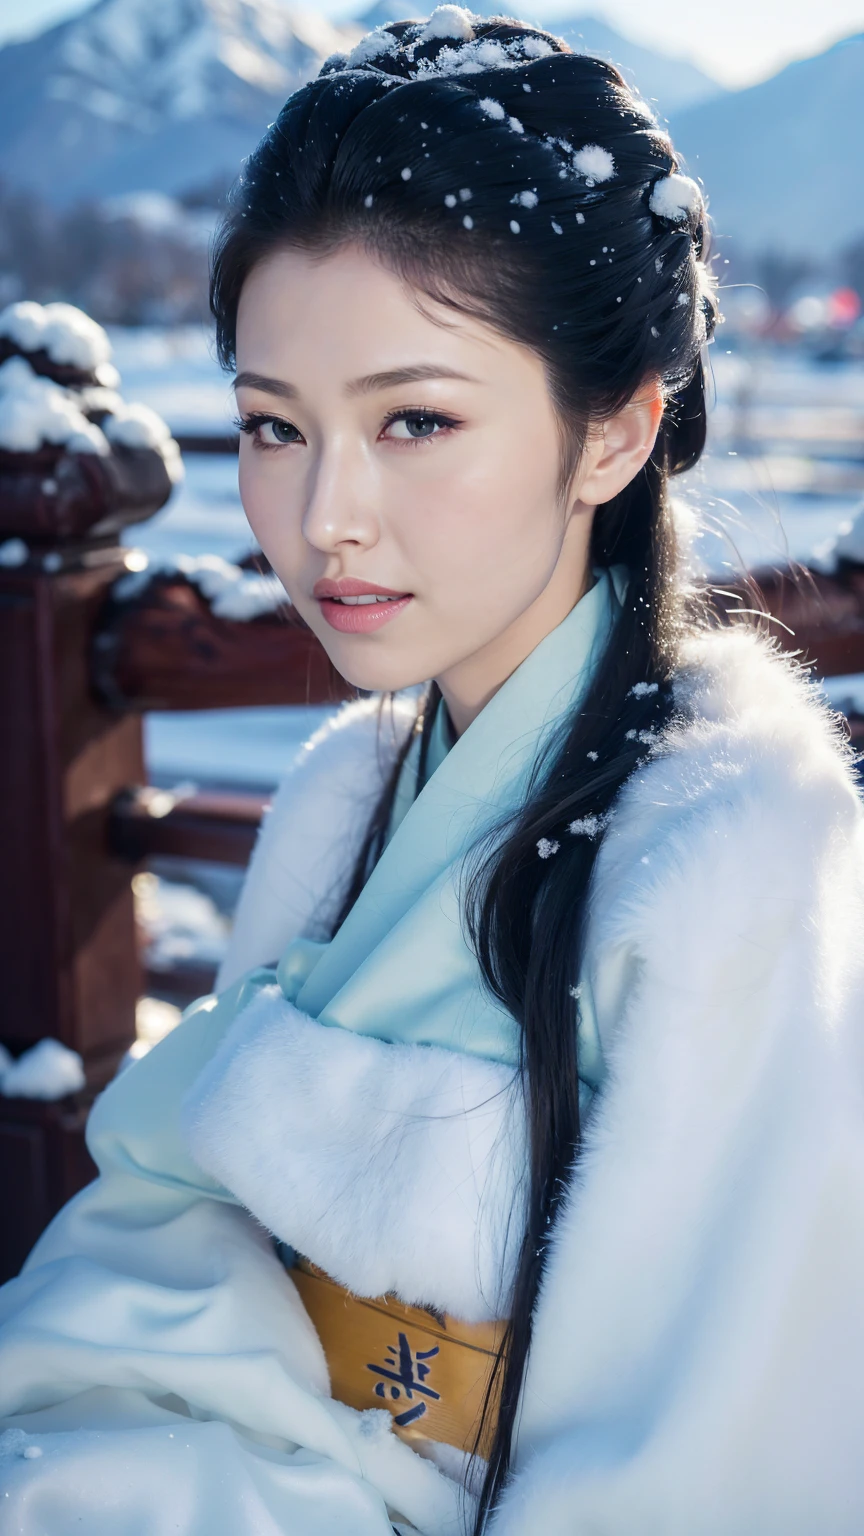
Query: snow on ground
175,371
228,747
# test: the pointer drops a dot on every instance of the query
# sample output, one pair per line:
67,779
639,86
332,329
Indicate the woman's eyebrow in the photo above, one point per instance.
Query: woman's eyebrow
369,384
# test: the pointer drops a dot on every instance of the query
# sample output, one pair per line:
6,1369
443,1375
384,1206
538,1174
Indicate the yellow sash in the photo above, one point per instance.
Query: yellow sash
428,1369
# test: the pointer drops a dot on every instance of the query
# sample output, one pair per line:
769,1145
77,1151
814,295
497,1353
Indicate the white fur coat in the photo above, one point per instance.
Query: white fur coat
697,1367
698,1358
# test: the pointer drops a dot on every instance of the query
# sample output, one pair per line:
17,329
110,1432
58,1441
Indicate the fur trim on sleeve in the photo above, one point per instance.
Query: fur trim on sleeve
396,1168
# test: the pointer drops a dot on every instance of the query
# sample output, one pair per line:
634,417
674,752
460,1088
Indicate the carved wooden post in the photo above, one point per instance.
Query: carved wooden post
68,961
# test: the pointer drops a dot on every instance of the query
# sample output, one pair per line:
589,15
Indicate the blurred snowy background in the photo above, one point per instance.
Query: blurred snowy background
123,123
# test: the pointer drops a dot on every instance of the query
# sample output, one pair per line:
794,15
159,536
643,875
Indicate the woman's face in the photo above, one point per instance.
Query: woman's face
404,456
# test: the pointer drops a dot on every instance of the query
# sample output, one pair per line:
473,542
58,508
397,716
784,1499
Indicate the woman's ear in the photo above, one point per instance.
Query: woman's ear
616,449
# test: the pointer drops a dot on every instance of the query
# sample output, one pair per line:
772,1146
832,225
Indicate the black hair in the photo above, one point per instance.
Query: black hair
528,187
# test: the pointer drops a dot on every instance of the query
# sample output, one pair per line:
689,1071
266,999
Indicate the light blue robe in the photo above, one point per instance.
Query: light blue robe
400,967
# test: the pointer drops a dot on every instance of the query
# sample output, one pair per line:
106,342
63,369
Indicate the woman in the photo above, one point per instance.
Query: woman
541,1012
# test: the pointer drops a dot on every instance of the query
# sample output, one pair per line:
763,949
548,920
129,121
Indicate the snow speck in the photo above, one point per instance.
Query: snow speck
658,264
368,200
557,228
406,173
580,218
594,162
525,86
515,226
526,199
642,690
68,335
48,1070
674,197
13,552
451,199
592,262
546,847
468,221
492,108
448,21
465,194
654,332
683,298
575,993
593,757
32,1452
514,123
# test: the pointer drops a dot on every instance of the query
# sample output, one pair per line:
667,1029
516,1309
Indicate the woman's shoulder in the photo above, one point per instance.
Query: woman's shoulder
750,725
744,810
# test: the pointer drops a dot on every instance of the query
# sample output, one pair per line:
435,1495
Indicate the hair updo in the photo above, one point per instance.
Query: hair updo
529,187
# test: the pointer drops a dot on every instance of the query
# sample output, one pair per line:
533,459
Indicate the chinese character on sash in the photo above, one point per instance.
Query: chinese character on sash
407,1370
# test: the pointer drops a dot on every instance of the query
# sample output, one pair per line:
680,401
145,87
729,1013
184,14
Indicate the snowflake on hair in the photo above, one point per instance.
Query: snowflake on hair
590,826
594,163
546,847
375,45
675,197
642,690
451,21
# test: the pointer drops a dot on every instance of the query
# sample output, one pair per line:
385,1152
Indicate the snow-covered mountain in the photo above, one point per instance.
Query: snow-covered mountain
783,161
155,94
672,83
169,95
166,95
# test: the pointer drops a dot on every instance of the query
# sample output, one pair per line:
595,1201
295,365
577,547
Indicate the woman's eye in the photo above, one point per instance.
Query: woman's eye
274,431
413,426
269,431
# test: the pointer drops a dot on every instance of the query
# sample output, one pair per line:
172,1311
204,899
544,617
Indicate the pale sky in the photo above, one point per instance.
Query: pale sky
737,41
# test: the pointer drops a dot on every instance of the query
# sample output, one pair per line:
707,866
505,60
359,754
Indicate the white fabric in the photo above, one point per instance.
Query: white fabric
698,1358
393,1168
154,1318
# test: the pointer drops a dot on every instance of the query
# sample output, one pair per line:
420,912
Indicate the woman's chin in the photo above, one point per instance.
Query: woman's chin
376,676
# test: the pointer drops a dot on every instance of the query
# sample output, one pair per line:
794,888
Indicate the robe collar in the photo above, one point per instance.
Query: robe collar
358,980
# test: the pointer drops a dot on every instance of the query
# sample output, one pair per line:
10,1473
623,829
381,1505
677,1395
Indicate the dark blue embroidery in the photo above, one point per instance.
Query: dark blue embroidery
409,1376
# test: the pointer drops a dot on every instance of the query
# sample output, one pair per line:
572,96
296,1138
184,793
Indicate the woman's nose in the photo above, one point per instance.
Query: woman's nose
340,502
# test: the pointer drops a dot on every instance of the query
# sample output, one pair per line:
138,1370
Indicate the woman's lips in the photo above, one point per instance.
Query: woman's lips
357,608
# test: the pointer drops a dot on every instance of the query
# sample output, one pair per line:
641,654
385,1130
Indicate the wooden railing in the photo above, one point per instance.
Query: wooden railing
78,668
